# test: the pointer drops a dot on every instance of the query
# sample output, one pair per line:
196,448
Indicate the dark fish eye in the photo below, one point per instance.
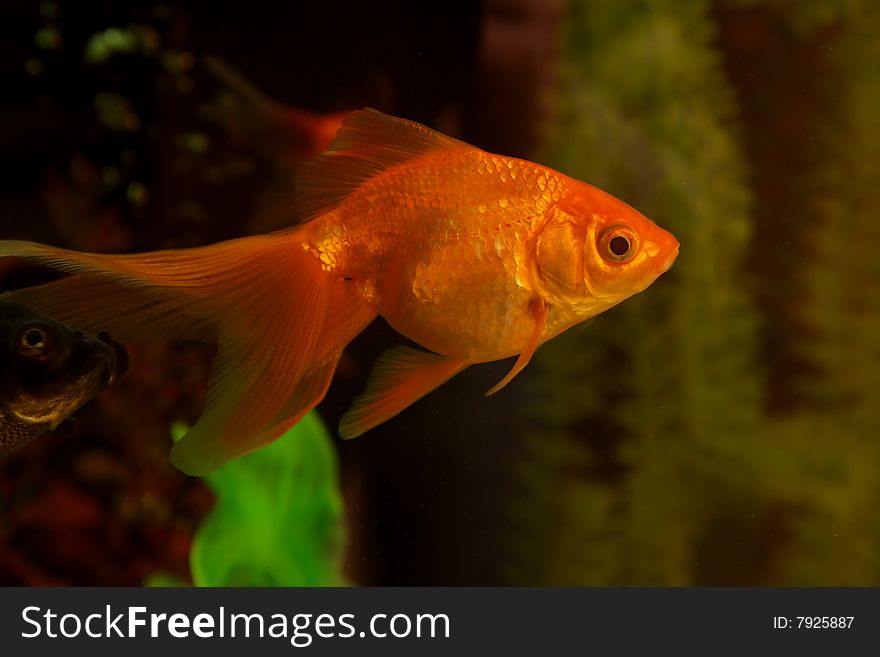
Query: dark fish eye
36,342
34,338
618,243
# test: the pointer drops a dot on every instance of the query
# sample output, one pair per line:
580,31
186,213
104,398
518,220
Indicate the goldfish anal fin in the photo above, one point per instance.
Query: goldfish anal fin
540,309
400,376
368,143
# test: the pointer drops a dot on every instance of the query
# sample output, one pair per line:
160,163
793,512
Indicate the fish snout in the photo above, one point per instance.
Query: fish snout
667,257
116,359
102,353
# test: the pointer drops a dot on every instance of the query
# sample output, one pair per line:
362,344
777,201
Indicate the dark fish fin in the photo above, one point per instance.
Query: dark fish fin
540,309
367,144
400,376
267,299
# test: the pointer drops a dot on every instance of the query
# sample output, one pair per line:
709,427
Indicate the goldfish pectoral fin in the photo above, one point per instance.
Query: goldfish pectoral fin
400,376
540,309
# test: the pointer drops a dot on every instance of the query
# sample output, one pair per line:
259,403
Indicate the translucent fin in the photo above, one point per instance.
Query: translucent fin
347,314
540,309
310,390
266,297
367,144
288,135
95,305
258,368
400,376
234,80
309,393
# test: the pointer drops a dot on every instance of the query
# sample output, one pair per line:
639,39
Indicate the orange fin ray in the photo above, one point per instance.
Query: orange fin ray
311,390
347,315
540,310
263,299
368,143
95,305
261,362
401,376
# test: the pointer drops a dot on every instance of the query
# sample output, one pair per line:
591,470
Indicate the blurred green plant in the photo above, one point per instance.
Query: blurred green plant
839,536
278,518
652,459
660,393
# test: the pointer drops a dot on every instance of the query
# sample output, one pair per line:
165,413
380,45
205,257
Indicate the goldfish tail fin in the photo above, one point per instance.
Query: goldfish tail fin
95,305
264,300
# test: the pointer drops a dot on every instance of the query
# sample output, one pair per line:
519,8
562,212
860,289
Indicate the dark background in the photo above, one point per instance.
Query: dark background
120,154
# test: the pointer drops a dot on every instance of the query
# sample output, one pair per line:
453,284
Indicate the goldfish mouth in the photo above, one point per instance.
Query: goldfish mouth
666,263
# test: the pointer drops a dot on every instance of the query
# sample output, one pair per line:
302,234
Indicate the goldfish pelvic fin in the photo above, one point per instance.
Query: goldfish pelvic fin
400,376
540,309
367,144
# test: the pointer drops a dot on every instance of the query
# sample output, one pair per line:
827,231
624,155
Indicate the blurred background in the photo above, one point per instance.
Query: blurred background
721,429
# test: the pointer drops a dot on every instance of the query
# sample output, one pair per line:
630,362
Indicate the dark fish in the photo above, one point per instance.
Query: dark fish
47,371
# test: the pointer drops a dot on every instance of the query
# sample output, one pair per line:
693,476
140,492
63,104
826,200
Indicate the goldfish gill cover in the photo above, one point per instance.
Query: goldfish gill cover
719,429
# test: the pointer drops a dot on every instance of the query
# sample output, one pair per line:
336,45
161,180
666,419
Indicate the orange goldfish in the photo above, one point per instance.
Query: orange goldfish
474,256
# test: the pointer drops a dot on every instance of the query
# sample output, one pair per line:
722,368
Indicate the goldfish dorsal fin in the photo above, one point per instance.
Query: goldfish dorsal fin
367,144
401,376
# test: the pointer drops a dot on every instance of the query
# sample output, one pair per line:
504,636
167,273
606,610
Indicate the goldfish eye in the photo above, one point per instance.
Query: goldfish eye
618,243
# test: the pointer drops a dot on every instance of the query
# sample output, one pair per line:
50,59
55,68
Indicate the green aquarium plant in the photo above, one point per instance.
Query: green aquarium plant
839,523
278,518
642,409
662,459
